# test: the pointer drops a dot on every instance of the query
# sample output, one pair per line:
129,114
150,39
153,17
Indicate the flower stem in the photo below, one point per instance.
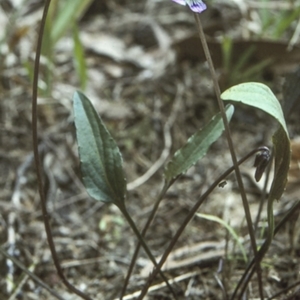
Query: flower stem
230,144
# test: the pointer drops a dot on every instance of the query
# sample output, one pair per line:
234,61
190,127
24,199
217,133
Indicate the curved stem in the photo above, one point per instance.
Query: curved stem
190,216
37,159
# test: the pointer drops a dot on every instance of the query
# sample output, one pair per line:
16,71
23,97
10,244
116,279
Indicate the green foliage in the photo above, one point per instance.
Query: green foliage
100,158
241,69
276,23
260,96
111,227
229,228
62,17
79,59
196,146
68,12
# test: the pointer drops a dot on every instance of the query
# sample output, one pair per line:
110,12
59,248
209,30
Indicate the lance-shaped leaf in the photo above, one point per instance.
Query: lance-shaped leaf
100,158
260,96
196,146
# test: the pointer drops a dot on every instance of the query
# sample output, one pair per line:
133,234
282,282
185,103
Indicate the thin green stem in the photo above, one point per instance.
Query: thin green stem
144,245
230,145
190,216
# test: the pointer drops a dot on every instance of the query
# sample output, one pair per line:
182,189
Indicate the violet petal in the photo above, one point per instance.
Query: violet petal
197,6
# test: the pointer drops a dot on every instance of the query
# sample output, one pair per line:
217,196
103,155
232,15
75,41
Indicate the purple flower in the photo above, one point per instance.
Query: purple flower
195,5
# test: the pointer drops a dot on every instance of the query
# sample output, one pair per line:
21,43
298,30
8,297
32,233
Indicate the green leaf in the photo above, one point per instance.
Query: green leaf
100,158
260,96
228,227
196,146
70,10
282,155
79,59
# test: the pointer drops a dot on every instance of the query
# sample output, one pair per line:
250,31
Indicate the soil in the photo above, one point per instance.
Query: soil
150,89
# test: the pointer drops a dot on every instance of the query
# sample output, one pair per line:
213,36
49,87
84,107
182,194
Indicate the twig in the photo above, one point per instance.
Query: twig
286,290
161,285
155,167
17,290
30,274
11,237
166,151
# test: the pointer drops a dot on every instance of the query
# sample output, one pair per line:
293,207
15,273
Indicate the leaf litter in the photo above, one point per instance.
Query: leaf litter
135,71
